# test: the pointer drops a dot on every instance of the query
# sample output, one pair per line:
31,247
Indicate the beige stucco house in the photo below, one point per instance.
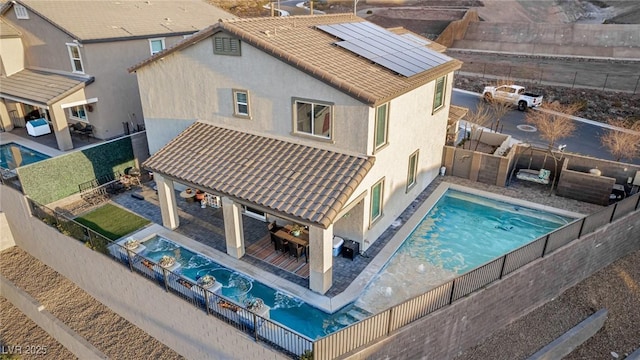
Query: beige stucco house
67,60
327,121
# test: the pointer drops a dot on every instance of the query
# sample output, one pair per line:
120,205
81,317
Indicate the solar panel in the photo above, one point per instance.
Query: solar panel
404,54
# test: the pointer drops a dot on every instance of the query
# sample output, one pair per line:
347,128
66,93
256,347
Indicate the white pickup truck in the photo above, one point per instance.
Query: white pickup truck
513,94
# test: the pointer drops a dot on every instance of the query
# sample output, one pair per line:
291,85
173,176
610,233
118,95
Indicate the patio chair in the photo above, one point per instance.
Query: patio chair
296,250
279,243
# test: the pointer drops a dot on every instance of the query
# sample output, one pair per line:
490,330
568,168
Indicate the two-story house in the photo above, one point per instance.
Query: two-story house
327,121
67,60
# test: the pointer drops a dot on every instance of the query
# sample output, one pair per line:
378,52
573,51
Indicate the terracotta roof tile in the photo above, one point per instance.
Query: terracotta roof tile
296,41
40,86
298,181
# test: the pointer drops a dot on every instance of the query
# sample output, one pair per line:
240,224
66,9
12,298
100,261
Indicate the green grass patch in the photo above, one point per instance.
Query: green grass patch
111,221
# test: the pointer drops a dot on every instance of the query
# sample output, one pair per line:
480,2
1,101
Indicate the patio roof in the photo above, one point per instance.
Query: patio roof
298,181
41,87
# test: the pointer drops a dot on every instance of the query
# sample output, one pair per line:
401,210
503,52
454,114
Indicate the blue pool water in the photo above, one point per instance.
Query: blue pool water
13,156
461,232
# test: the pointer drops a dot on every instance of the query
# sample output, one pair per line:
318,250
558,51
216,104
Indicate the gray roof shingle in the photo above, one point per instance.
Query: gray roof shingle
295,180
100,20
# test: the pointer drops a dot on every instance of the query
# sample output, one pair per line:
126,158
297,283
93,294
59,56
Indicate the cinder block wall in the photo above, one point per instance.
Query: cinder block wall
176,323
447,332
585,187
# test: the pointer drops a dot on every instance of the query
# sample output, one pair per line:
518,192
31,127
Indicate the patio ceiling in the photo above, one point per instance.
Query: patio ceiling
295,180
41,87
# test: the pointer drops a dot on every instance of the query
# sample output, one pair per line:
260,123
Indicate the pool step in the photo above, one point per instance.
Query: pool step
358,313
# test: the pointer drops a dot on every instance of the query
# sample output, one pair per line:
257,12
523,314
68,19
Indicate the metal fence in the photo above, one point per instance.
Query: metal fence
260,328
573,79
351,338
354,336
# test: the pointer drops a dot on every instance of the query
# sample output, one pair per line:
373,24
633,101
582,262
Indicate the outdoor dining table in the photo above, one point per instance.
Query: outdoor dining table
302,239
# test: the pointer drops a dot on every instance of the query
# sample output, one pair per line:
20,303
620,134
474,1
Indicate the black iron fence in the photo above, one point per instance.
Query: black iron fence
381,325
356,335
573,79
261,328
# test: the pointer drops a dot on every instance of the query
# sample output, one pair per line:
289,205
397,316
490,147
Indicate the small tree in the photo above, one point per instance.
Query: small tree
552,121
622,144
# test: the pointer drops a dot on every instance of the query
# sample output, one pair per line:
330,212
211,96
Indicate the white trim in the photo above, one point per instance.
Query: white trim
72,59
23,101
81,102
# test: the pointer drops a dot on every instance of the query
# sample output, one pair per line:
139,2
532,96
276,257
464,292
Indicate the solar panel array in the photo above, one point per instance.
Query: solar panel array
403,54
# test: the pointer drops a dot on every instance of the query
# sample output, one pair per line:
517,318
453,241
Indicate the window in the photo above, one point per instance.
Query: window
226,46
313,118
413,170
78,112
21,12
382,114
156,45
376,200
438,99
76,59
241,103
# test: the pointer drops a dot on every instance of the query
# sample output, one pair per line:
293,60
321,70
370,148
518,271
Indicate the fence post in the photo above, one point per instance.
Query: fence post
540,81
390,321
605,82
637,82
546,242
574,80
206,299
484,69
129,259
255,326
581,228
93,247
504,262
453,287
166,280
613,213
509,76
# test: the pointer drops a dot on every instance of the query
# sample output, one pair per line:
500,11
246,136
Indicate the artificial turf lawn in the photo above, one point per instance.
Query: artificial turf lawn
112,221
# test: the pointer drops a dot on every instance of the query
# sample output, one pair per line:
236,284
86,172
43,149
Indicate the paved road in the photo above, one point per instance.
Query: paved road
585,140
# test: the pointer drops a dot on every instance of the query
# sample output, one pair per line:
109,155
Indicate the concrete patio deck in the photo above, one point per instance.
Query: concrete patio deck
203,230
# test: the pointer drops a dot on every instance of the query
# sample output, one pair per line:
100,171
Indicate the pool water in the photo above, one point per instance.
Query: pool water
285,309
461,232
13,156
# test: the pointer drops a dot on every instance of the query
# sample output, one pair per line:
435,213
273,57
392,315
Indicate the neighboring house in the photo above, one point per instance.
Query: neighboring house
67,60
281,118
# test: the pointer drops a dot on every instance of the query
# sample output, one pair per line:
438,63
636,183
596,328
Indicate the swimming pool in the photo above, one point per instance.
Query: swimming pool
13,155
461,232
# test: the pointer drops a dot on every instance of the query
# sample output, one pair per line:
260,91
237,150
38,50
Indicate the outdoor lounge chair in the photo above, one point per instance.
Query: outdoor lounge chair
538,176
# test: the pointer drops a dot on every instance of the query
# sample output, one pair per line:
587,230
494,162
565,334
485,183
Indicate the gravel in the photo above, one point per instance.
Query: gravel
614,288
107,331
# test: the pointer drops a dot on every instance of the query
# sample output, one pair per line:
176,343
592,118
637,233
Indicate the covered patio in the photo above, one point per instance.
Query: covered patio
32,94
289,183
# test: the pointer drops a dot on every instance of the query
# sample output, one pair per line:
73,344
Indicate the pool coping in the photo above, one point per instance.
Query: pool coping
357,286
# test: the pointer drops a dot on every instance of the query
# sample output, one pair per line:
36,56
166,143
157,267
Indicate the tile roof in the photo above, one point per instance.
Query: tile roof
294,180
100,20
457,112
296,41
8,31
41,86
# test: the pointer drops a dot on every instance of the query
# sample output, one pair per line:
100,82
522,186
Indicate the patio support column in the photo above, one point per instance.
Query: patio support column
320,259
233,228
5,120
60,127
168,206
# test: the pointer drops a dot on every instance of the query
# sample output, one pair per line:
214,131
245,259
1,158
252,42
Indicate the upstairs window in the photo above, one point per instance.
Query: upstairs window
78,113
438,99
241,103
21,12
382,114
313,118
76,59
226,46
156,45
